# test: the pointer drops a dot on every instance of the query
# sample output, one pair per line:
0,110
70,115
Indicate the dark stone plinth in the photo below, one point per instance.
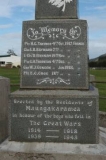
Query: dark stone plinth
4,103
54,116
56,9
54,54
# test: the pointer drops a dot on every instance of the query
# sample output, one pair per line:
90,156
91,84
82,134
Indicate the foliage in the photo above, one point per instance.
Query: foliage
14,67
11,52
18,66
101,62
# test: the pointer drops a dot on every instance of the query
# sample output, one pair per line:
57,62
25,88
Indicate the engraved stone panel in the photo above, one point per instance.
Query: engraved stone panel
54,54
56,116
56,9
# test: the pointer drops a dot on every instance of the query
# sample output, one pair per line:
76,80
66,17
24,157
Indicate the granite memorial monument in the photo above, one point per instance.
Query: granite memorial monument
55,103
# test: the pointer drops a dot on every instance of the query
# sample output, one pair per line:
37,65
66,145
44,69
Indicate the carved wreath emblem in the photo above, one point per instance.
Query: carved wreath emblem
60,3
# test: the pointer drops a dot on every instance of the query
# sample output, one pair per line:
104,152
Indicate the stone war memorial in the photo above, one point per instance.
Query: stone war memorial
55,102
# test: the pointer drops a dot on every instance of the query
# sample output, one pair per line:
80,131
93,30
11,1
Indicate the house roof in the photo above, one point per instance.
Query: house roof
15,60
5,56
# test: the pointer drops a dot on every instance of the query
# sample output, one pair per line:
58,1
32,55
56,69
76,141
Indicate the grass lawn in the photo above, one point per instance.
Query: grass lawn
13,74
100,75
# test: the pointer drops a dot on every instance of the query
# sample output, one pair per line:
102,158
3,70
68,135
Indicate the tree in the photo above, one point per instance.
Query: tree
11,52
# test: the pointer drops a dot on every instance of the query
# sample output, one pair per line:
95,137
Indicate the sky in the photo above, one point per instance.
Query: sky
13,12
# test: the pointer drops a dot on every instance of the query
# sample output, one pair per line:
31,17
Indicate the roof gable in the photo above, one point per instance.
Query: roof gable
1,56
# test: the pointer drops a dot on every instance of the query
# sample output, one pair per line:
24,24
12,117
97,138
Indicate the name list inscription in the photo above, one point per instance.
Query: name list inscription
52,55
52,119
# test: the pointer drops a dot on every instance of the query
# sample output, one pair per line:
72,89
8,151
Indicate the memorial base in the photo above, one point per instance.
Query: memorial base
54,116
54,151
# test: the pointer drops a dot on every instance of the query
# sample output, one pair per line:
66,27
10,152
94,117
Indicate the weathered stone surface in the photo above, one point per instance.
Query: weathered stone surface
54,54
54,116
58,9
92,80
34,156
54,151
4,103
102,119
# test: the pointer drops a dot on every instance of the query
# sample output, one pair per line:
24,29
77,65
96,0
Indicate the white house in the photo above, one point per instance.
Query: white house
10,59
